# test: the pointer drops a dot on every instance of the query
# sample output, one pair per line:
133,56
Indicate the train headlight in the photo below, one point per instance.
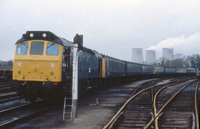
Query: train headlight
44,35
31,35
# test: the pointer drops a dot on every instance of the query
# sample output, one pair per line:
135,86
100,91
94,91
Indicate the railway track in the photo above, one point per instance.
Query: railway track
143,110
12,111
4,83
5,88
11,96
6,93
131,111
14,115
178,112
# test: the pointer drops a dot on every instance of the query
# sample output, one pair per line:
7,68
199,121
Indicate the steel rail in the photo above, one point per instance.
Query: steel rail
8,94
120,110
5,125
196,106
10,99
5,85
18,107
13,108
157,114
135,91
140,86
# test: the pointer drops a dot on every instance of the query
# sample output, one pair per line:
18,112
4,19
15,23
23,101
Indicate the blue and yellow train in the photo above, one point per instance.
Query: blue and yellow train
40,67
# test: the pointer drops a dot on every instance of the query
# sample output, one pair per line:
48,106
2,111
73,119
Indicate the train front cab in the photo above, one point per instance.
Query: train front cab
37,67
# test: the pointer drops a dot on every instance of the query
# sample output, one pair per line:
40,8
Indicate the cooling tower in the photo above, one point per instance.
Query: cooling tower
150,56
137,55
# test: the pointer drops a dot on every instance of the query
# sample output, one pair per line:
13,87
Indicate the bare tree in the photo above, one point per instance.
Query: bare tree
162,61
179,61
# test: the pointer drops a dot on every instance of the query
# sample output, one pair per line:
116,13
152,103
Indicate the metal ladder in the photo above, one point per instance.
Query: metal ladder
67,109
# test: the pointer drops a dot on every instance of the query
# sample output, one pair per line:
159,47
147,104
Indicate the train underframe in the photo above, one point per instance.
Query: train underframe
53,92
32,90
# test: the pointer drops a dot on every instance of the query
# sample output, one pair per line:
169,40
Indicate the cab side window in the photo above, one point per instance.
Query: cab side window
52,49
22,49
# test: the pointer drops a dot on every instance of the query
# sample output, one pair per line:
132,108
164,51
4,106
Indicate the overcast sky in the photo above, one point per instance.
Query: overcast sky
111,27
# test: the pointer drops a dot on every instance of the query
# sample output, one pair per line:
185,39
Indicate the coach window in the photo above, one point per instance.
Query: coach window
37,48
52,49
22,49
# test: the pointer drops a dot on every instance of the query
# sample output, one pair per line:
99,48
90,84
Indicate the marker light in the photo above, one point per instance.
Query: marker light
31,35
44,35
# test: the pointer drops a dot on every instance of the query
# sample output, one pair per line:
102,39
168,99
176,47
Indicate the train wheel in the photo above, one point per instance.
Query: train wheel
33,98
31,93
49,91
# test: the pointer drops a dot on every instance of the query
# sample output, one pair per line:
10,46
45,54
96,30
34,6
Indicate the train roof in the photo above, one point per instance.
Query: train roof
133,63
44,35
49,36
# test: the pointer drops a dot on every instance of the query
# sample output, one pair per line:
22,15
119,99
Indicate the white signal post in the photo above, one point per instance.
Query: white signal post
75,82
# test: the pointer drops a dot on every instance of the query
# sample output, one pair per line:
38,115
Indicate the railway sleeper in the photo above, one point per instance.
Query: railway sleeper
183,118
141,98
10,94
133,125
183,104
166,118
181,114
128,128
137,117
175,126
177,122
139,109
136,113
182,109
136,120
140,106
5,89
141,102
